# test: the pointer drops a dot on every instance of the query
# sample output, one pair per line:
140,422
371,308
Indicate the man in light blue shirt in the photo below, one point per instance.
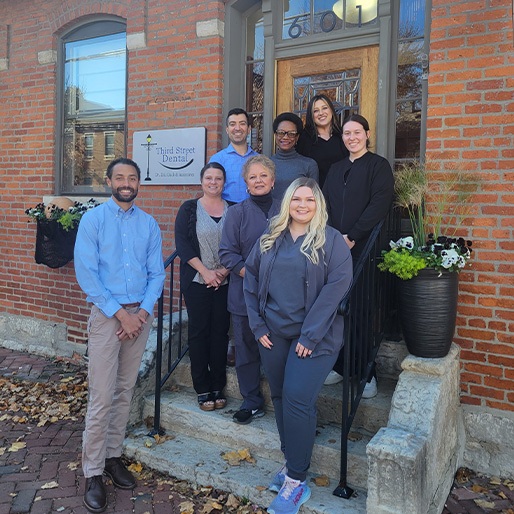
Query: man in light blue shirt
119,265
233,157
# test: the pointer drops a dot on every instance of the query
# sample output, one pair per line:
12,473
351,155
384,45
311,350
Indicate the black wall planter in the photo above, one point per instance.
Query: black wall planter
428,310
54,245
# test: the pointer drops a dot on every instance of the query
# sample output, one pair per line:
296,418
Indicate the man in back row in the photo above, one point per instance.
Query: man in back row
237,152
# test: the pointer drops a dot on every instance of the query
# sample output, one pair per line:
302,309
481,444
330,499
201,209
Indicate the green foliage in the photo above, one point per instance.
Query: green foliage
402,263
67,218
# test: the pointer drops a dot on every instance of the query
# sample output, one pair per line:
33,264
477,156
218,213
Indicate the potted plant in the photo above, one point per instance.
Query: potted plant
57,225
428,262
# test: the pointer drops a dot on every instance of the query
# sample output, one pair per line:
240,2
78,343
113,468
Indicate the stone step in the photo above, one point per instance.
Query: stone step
200,462
180,414
371,415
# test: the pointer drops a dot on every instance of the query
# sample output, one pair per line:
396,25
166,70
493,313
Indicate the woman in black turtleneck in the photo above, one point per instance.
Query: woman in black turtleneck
244,224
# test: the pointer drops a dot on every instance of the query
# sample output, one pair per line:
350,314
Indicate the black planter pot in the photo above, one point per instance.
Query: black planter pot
428,310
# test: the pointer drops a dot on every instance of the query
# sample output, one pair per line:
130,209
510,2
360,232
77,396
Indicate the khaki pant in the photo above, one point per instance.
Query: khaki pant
112,374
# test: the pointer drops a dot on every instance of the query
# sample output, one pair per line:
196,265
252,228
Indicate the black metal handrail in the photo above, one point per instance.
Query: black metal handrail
364,310
173,355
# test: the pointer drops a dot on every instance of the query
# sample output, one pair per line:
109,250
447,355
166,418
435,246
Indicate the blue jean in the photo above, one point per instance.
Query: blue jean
295,385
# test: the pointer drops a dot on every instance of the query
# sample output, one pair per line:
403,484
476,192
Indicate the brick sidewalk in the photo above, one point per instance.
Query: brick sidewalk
45,476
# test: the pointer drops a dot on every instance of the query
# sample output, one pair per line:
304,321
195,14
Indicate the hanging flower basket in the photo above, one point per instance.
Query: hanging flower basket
57,226
54,244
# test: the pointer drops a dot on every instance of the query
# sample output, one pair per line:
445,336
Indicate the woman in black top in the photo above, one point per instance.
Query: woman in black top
321,138
359,192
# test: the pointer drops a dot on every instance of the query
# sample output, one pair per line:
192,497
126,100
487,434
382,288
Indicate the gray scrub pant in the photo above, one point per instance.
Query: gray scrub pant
295,385
248,363
112,372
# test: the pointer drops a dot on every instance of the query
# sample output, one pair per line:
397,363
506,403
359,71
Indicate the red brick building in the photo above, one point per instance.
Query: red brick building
432,77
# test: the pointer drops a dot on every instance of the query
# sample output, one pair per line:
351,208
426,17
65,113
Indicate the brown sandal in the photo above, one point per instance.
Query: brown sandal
205,402
220,402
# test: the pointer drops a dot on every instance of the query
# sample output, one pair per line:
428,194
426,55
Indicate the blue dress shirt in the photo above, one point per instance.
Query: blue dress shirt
235,186
118,258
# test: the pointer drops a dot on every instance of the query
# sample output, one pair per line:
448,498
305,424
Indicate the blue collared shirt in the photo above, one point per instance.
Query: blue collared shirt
235,186
118,258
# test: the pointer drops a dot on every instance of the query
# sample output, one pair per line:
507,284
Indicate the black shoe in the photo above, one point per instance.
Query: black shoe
121,477
95,498
245,416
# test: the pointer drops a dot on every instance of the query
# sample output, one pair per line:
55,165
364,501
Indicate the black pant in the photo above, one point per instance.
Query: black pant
208,324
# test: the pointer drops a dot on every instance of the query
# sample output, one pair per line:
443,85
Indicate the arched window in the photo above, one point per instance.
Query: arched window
92,105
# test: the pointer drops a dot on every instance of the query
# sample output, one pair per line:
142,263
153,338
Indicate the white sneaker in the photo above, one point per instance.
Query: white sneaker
370,389
333,378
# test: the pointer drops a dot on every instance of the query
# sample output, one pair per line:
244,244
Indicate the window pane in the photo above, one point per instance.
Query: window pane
255,36
304,18
94,104
408,129
255,76
412,18
409,69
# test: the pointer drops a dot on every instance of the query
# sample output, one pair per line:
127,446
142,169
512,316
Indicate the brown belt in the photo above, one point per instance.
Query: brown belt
130,305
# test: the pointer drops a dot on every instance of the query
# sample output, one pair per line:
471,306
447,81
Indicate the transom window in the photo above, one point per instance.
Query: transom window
303,18
94,68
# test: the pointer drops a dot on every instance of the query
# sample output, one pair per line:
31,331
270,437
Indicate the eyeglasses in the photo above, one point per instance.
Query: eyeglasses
281,134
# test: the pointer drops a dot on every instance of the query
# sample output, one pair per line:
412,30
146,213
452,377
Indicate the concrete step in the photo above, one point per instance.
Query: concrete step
180,415
371,415
200,462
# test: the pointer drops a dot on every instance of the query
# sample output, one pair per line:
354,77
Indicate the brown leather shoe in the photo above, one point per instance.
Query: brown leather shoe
95,498
121,477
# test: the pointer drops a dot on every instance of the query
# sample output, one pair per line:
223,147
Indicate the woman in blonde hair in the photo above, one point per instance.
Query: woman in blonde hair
296,276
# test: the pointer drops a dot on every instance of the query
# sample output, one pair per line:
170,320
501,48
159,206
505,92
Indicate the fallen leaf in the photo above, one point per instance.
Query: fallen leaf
321,481
186,507
484,504
476,488
73,466
136,467
18,445
232,502
234,458
148,443
50,485
354,436
495,481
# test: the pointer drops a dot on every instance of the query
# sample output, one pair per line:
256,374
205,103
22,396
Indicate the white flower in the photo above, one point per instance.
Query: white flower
404,242
450,257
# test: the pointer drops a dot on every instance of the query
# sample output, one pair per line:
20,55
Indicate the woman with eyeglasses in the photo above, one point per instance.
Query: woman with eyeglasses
321,139
289,164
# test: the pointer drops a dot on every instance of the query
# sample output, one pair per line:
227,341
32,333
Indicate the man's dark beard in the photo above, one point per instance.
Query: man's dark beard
126,199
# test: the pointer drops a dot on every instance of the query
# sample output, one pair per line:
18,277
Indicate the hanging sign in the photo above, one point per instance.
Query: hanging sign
173,156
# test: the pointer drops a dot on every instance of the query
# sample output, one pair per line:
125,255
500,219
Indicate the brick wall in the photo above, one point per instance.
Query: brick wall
176,81
471,121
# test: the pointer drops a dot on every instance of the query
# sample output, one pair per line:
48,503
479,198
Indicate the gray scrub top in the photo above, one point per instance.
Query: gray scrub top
285,308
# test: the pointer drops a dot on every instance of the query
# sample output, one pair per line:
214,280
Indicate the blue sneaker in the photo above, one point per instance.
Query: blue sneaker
290,498
278,479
